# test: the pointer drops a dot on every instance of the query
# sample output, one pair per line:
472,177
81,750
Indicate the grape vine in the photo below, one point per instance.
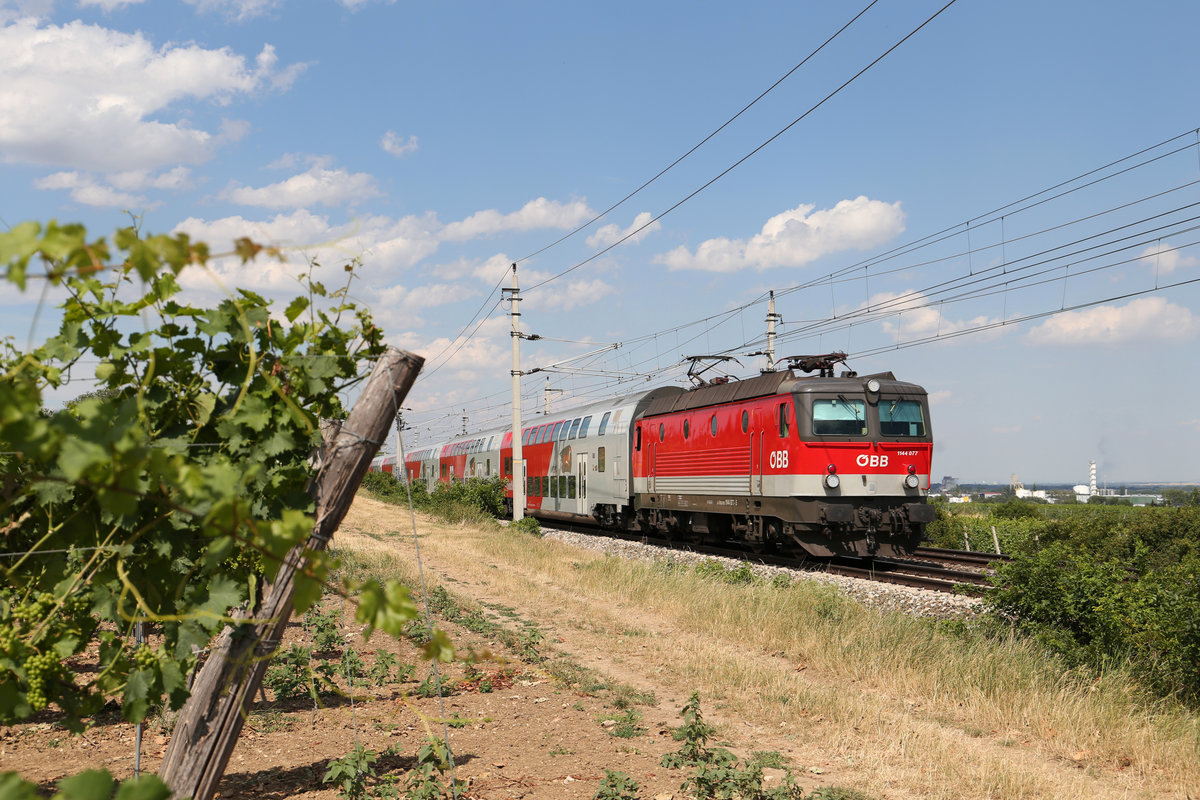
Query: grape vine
169,492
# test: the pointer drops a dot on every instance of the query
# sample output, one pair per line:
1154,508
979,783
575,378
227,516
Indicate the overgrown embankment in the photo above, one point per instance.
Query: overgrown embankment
1100,586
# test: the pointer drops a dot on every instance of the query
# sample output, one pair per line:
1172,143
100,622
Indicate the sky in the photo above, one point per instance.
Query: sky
1003,208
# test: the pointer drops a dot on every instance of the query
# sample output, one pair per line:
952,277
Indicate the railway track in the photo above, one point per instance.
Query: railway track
926,573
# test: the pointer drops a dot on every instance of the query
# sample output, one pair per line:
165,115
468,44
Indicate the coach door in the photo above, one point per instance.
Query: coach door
581,470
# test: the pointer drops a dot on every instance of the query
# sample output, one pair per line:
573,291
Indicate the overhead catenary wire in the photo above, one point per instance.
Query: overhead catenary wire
746,157
701,143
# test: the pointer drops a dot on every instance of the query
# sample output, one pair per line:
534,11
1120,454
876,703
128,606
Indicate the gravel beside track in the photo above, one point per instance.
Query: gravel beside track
888,597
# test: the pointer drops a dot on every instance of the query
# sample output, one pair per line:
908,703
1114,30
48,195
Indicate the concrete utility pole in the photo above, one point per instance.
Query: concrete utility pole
518,465
772,318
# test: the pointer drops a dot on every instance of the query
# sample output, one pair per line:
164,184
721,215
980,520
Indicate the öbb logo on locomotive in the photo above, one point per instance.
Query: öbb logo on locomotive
780,461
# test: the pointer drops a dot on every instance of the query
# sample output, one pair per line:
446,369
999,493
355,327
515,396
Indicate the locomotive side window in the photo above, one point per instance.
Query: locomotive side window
662,431
686,429
784,425
839,417
901,418
637,445
745,421
713,425
604,423
600,459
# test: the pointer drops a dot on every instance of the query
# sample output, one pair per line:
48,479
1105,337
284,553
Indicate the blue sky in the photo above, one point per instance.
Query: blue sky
440,142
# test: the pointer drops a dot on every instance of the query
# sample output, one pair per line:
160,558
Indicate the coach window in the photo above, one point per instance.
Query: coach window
745,421
784,427
604,423
571,487
545,484
600,459
687,431
901,418
529,487
713,425
583,426
839,417
562,485
489,467
555,431
472,472
552,487
574,428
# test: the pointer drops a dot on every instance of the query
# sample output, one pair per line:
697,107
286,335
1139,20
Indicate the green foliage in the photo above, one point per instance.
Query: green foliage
528,526
290,675
325,627
171,492
474,500
1095,610
616,786
350,772
92,784
425,779
695,733
626,726
714,569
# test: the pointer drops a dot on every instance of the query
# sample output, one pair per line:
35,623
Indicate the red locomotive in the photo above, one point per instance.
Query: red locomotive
828,465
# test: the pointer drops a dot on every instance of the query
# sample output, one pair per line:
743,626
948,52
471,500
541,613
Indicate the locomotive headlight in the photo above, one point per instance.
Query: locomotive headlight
873,386
832,481
911,481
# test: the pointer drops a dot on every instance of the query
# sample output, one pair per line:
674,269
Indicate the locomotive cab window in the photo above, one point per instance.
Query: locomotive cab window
840,417
901,418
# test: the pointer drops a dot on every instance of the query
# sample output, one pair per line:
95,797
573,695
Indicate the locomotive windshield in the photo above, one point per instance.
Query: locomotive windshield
901,418
840,417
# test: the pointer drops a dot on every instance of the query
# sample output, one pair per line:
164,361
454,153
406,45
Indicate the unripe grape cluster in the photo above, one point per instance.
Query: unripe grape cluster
145,658
40,668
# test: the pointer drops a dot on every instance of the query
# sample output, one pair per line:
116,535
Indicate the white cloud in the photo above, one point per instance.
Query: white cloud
85,189
385,246
611,234
1146,319
539,213
109,5
236,9
909,316
796,237
87,97
393,144
1165,258
328,187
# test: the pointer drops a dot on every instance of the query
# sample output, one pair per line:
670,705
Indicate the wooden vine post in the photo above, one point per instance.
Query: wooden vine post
211,720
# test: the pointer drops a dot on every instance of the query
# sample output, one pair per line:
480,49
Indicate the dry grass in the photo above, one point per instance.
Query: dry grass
912,710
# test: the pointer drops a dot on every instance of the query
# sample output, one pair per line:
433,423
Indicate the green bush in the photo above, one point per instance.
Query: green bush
1116,586
473,500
